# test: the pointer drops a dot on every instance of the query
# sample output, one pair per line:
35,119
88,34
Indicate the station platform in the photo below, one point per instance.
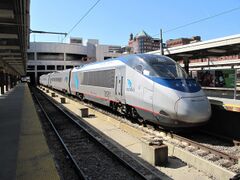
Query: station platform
227,104
224,98
24,153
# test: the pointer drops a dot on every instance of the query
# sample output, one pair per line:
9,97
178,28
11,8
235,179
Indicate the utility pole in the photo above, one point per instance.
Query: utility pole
161,43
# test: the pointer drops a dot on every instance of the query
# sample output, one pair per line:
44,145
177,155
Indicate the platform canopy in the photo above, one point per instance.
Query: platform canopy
14,35
228,45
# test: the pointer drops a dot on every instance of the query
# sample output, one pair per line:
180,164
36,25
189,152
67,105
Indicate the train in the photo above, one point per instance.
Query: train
146,87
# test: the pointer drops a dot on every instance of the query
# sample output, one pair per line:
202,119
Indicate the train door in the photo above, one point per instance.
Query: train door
145,88
120,84
147,97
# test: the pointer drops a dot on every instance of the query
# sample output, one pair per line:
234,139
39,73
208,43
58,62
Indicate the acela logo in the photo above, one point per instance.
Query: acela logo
130,86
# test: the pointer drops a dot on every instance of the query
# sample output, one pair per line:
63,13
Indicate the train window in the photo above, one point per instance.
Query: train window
146,72
104,78
169,70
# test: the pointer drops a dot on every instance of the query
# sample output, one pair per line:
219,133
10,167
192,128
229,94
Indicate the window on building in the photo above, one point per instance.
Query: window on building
60,67
40,67
50,67
107,57
69,67
30,67
75,57
30,55
50,56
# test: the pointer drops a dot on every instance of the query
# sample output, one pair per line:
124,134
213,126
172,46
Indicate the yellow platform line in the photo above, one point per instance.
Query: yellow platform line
232,105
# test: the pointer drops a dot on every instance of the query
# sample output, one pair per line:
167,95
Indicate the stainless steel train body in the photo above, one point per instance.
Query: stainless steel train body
44,79
60,80
147,87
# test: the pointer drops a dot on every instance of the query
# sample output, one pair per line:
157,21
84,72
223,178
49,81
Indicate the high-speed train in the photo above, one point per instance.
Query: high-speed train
146,87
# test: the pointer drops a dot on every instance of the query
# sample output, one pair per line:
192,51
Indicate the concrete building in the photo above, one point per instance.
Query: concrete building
45,57
107,51
143,43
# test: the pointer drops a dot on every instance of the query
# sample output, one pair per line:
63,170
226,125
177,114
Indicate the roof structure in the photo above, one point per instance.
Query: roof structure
228,45
142,34
14,34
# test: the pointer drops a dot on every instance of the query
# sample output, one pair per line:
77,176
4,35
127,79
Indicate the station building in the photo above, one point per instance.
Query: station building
45,57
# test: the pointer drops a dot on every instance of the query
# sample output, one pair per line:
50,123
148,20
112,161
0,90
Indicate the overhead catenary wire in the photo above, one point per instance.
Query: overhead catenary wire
89,10
200,20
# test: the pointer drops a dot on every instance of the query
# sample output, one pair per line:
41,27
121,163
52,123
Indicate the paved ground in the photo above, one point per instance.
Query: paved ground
24,153
9,131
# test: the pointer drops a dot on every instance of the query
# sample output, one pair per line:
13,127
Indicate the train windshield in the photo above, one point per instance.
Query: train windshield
172,71
165,67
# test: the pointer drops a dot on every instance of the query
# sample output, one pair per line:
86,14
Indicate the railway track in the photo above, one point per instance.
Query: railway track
92,156
207,149
184,142
233,141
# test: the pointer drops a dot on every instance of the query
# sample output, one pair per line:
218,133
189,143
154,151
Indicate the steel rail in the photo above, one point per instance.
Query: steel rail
235,142
69,115
76,166
206,148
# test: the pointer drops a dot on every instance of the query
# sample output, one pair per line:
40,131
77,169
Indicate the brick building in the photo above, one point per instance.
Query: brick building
182,41
143,43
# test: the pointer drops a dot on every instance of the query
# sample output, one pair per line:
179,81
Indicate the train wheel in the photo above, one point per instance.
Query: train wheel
81,96
136,116
114,106
134,113
140,120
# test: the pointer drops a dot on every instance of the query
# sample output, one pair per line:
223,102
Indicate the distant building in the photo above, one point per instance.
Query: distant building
76,40
143,43
104,52
182,41
45,57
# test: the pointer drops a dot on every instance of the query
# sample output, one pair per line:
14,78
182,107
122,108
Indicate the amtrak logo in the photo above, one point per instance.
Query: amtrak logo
76,81
129,83
130,86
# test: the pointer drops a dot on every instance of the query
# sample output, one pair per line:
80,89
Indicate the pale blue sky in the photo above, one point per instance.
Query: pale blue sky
111,21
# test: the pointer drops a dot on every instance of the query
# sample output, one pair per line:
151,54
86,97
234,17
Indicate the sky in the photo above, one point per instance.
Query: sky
112,21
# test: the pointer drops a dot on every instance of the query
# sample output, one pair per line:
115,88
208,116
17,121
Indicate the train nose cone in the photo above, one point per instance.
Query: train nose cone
193,110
